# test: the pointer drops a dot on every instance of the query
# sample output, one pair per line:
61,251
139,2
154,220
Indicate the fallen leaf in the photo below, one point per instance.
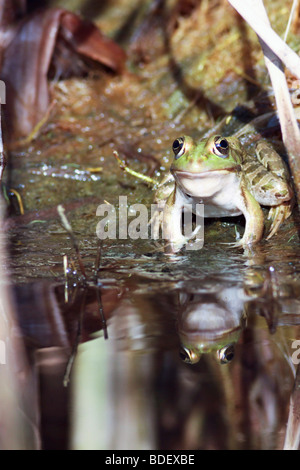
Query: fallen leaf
28,54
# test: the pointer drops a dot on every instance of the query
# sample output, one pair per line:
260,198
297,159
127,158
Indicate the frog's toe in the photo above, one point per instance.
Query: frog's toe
244,242
238,244
172,247
278,214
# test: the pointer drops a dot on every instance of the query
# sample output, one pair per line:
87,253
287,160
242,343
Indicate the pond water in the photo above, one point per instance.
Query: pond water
192,351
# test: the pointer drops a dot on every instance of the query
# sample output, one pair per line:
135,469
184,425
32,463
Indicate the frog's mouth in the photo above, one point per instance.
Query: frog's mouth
190,175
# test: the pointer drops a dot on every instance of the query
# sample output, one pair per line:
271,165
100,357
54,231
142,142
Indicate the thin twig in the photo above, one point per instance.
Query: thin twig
68,228
65,263
126,168
292,13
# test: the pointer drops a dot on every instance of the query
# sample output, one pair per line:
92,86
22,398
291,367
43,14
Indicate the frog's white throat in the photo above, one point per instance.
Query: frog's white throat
219,191
208,184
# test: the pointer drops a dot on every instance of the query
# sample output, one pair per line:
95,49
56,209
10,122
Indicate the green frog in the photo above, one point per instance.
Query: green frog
219,173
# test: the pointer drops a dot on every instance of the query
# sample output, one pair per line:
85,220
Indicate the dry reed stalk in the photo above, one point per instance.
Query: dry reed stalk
276,53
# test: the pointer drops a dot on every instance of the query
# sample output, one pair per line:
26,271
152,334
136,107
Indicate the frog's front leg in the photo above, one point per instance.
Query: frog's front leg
253,215
162,193
172,221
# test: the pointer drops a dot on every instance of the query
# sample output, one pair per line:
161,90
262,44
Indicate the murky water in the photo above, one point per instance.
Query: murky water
198,350
194,351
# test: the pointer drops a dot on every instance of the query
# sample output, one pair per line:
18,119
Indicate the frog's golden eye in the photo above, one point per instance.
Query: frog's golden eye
226,354
178,147
221,147
188,356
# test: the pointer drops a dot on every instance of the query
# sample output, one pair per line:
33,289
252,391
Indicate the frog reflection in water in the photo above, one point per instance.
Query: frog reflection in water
219,173
211,322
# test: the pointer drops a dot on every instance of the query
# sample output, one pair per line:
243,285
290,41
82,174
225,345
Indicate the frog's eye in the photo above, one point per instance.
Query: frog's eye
221,147
178,147
226,354
188,356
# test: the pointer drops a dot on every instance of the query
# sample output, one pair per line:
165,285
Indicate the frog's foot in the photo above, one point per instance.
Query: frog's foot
278,214
173,246
247,240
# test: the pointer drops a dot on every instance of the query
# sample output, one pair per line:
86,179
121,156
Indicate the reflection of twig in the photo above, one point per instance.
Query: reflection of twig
68,228
76,342
98,259
99,297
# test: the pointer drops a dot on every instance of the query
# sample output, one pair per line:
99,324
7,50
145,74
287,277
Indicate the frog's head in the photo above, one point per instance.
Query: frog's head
214,154
221,345
202,169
